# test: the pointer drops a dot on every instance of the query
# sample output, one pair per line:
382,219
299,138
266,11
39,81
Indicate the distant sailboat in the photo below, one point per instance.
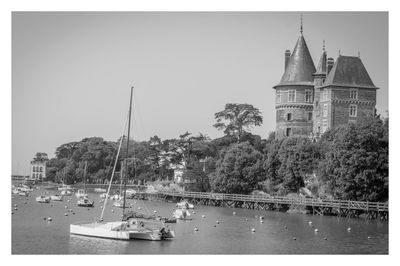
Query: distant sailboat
81,193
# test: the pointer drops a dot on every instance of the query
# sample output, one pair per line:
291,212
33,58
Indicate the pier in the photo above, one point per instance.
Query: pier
344,208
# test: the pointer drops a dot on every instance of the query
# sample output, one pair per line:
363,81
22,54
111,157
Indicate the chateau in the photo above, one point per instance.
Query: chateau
311,100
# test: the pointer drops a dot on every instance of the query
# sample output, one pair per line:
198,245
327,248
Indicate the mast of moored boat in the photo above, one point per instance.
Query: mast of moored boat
127,150
84,177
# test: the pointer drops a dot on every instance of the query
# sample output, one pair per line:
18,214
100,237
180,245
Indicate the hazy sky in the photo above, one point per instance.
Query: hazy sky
72,72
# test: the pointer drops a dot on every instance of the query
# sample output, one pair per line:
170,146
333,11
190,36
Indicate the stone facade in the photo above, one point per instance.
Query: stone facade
310,101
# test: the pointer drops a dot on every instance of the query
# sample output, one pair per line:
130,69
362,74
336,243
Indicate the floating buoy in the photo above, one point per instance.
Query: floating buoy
246,219
316,230
73,213
349,229
15,209
217,222
294,238
15,205
253,230
155,211
66,206
285,227
66,214
309,223
44,218
196,229
369,237
112,210
101,219
261,217
203,216
234,213
49,219
325,238
194,212
12,212
262,221
214,225
101,207
139,208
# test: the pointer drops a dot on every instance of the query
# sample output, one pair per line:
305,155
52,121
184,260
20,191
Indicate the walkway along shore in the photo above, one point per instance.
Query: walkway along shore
345,208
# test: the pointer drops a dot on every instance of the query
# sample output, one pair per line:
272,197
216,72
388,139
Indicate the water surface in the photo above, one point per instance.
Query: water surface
31,234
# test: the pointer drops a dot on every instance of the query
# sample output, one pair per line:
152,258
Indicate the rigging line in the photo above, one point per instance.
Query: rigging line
115,165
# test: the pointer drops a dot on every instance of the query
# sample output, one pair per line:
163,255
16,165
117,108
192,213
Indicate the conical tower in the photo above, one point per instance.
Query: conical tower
294,93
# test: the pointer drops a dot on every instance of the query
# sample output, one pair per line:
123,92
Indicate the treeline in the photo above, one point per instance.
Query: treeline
347,162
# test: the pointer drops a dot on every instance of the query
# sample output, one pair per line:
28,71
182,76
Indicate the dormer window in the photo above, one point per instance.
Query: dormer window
354,94
291,96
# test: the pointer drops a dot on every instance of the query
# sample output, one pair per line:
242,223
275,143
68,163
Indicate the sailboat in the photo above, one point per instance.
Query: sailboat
82,192
125,229
66,190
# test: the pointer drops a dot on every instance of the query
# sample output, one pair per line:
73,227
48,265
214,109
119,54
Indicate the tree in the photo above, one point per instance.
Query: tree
238,170
236,118
355,163
40,157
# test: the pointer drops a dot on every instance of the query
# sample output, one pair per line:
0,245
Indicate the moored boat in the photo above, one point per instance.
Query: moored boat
43,199
66,193
56,197
181,214
85,202
185,204
98,189
81,193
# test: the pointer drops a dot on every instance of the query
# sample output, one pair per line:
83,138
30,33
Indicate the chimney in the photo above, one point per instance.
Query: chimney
287,57
330,63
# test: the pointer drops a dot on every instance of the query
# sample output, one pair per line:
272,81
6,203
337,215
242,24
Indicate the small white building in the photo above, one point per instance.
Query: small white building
38,170
178,172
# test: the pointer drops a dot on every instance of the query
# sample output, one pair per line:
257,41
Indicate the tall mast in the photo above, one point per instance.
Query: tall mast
127,150
84,176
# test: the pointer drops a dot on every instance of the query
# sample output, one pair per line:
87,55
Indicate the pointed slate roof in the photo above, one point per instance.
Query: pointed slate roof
300,68
321,68
349,71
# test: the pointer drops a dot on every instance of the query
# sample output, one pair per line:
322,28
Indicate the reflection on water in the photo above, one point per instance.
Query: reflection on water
280,233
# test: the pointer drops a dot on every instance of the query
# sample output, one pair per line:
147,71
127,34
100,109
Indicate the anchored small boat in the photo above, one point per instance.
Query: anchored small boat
66,193
81,193
185,204
104,195
100,190
43,199
181,214
85,202
56,197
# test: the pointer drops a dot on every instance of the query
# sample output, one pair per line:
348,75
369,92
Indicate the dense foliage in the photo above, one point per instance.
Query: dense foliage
348,162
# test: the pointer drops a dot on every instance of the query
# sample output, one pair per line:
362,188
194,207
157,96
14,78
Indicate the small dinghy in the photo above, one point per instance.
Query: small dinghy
56,197
185,204
43,199
85,202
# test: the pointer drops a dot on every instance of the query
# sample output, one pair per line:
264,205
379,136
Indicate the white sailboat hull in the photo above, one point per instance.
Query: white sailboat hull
107,230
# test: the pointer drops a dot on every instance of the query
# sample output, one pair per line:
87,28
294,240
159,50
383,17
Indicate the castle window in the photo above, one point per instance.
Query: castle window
325,111
310,116
325,96
278,97
289,117
288,132
353,110
291,96
354,94
308,96
324,125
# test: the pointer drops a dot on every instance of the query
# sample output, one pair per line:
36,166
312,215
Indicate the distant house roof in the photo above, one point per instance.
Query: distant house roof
300,68
349,71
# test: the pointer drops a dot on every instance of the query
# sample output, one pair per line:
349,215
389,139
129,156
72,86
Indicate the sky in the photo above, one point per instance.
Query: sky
72,71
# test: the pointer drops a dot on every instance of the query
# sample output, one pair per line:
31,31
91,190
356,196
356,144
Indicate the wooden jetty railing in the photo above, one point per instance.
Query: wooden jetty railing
317,206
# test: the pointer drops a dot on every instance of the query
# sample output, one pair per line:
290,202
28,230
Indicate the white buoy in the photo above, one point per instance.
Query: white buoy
112,210
294,238
139,208
253,230
349,229
325,238
234,213
203,216
261,217
246,219
49,219
369,237
194,212
309,222
196,229
66,214
15,205
15,209
66,206
155,211
217,222
101,207
316,230
262,221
